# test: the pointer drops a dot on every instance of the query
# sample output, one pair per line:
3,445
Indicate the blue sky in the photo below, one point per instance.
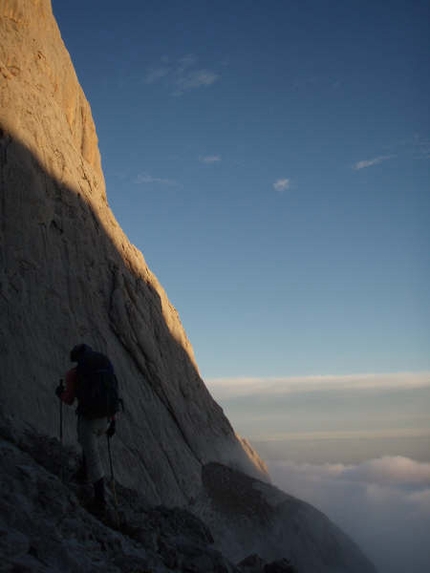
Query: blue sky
271,161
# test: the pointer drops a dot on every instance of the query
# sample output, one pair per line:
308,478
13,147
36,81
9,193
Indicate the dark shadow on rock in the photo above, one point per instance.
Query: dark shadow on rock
63,280
233,492
145,538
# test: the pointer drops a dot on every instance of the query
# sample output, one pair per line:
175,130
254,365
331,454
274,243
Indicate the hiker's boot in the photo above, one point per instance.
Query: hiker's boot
99,503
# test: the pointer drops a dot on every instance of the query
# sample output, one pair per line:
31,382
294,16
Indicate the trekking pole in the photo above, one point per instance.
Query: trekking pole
61,434
115,499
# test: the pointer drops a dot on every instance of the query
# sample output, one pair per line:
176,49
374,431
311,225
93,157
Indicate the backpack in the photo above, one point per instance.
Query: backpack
97,387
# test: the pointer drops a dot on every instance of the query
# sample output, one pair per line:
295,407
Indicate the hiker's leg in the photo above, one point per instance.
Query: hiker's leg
99,491
81,476
89,432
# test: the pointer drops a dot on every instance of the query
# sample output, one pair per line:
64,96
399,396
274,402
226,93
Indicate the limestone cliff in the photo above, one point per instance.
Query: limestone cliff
68,274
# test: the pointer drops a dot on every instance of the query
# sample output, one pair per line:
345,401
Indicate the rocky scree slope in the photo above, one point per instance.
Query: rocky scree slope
46,523
45,526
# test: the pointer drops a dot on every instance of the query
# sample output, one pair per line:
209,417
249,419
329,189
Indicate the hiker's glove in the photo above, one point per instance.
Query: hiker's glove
59,390
111,429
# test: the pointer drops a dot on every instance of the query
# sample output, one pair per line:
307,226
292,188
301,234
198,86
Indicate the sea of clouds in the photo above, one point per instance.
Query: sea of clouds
383,504
375,426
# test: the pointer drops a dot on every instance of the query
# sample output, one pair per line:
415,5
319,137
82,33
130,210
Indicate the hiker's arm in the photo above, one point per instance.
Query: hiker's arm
68,396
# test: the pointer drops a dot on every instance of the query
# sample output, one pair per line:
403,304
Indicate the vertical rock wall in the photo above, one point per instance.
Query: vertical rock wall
69,274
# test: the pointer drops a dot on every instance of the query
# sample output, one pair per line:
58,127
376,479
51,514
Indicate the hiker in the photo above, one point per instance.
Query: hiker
93,383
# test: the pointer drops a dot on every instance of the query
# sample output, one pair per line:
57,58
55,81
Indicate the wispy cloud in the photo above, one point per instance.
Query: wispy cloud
370,162
281,185
422,147
146,179
195,79
208,159
154,75
181,75
417,146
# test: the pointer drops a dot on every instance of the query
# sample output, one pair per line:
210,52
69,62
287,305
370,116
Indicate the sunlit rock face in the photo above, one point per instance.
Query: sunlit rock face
68,274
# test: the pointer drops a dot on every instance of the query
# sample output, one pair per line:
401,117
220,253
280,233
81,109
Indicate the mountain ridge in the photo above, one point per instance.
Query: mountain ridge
69,274
75,260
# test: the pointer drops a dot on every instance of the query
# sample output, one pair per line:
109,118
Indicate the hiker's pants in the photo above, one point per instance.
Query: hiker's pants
89,433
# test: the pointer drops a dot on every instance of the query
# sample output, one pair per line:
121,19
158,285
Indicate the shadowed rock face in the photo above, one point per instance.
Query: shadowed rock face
248,516
46,526
68,274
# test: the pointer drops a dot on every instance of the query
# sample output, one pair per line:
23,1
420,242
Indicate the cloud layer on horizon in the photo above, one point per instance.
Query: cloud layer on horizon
247,386
330,418
383,504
